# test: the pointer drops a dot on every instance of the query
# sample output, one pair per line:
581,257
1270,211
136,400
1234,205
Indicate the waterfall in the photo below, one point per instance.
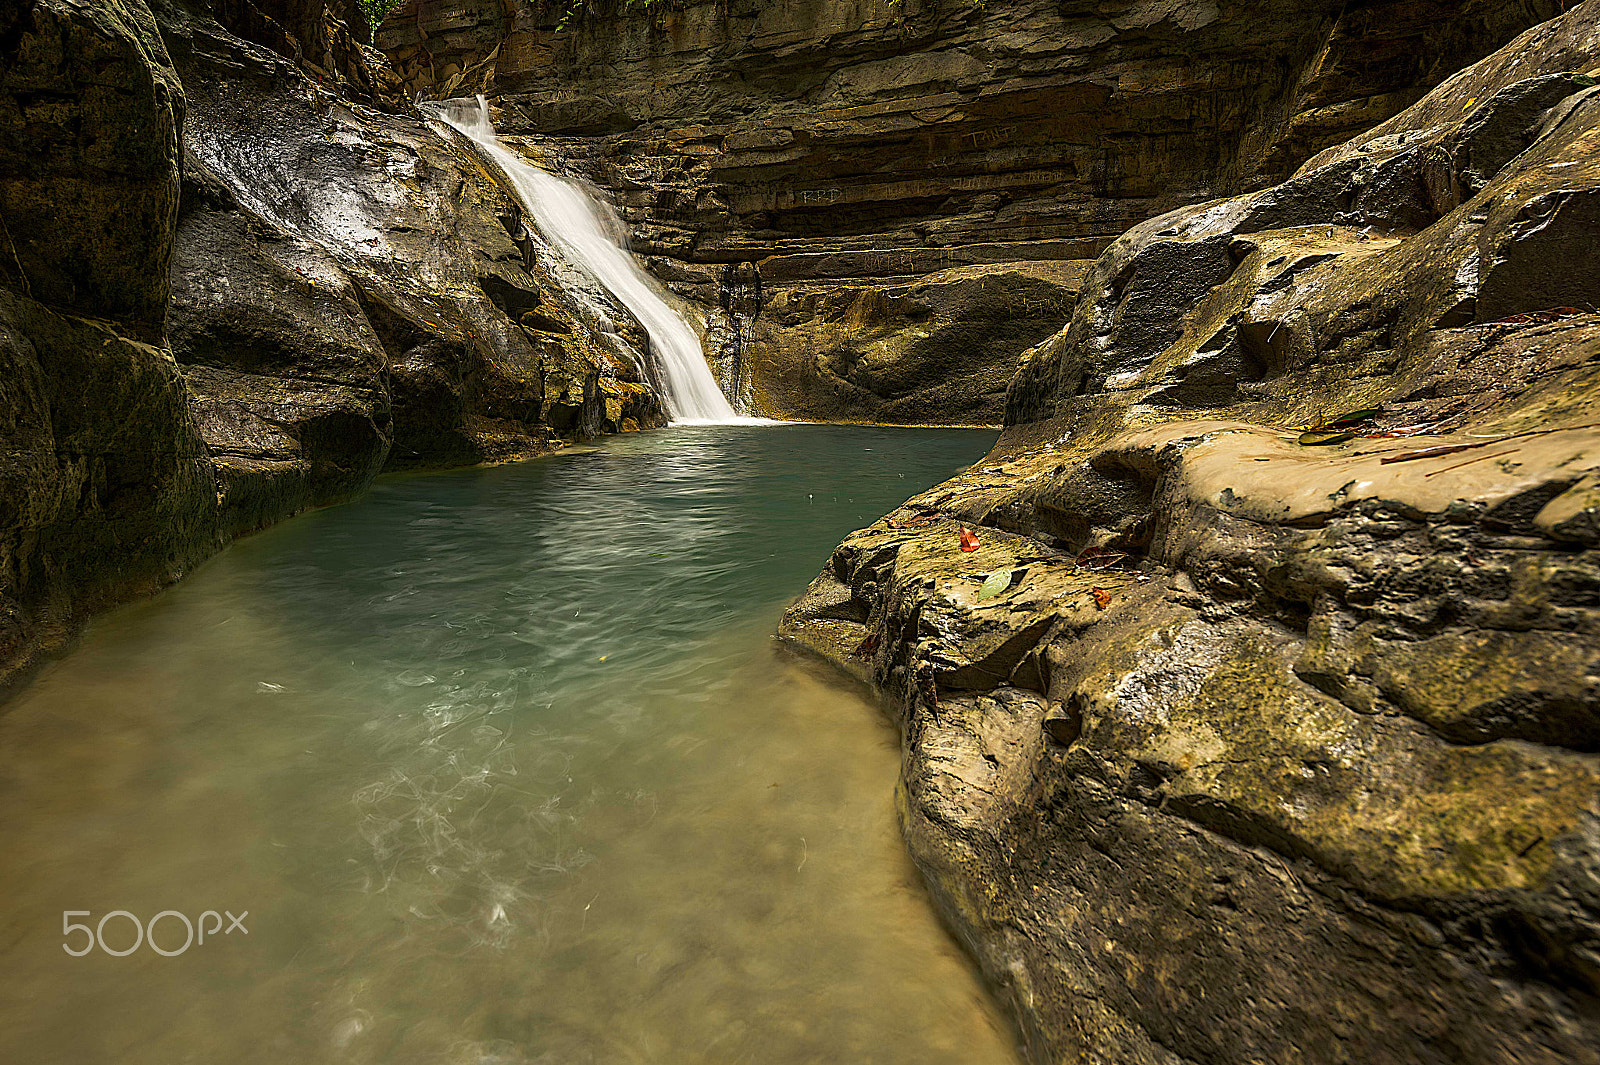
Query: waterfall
576,225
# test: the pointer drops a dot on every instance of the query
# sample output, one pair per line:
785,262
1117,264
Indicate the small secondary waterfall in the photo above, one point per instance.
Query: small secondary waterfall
573,222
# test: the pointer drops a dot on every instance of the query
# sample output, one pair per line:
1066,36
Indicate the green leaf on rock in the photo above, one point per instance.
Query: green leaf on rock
1355,417
994,584
1318,437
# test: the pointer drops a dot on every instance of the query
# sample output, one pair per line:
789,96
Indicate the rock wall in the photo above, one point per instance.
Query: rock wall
353,291
323,38
1255,715
229,293
833,148
104,484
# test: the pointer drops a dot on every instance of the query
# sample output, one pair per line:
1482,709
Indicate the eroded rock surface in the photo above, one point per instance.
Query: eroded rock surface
1222,746
867,145
939,349
225,303
104,486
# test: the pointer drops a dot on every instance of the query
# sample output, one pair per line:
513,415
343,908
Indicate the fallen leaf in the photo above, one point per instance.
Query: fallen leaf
866,647
1318,437
1430,452
994,584
969,539
1102,598
1356,417
1100,558
1341,421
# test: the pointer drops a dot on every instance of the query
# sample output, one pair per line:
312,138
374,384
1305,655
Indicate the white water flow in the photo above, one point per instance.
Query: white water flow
575,224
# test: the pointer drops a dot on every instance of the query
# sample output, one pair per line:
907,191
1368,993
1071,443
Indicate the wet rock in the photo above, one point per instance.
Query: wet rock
281,445
88,158
105,488
105,491
1329,786
853,147
940,349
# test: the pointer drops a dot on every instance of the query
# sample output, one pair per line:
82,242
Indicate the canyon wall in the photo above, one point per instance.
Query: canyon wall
1250,689
106,483
797,168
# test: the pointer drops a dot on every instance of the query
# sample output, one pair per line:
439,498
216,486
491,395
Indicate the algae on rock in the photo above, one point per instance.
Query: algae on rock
1330,789
230,291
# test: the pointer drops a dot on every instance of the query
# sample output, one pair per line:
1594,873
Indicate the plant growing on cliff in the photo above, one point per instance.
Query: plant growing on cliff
571,10
574,9
376,11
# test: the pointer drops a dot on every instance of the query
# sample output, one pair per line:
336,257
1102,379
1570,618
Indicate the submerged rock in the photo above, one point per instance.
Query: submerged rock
1280,752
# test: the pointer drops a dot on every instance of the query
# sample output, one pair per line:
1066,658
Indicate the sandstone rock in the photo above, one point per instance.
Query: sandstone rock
89,114
939,349
106,490
326,39
1328,790
888,140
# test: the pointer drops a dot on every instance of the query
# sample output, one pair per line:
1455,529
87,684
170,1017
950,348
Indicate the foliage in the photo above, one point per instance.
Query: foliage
576,9
573,10
375,11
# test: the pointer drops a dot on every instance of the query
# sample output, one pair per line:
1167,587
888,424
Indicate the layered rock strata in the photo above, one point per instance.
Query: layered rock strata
1261,723
840,151
105,487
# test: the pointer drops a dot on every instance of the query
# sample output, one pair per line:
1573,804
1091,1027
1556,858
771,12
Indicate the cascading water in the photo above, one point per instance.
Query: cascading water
576,225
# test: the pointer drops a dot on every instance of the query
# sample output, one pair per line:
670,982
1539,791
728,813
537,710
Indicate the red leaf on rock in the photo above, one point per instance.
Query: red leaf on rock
867,647
1100,558
969,539
1102,598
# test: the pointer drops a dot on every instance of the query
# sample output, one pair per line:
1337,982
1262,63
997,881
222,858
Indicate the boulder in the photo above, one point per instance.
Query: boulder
106,489
1284,744
939,348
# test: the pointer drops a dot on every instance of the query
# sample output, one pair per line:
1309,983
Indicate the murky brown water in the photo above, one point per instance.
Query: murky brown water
505,767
